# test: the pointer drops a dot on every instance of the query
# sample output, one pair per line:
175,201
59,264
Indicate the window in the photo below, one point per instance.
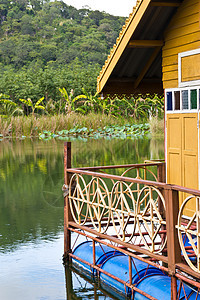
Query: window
177,100
169,101
193,99
182,100
188,68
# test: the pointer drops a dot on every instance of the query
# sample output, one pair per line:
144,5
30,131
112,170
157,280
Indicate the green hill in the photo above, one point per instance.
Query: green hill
45,45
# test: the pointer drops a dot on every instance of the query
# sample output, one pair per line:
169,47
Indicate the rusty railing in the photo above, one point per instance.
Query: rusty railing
136,212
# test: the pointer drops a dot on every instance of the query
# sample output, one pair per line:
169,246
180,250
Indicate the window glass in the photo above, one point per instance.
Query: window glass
177,100
169,101
199,98
185,104
193,99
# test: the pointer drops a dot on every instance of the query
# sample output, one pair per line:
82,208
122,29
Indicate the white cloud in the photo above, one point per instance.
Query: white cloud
110,6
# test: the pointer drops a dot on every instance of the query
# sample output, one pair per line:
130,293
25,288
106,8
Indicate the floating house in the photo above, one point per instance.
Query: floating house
150,212
158,51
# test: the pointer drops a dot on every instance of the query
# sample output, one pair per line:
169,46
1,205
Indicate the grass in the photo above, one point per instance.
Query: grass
34,126
157,127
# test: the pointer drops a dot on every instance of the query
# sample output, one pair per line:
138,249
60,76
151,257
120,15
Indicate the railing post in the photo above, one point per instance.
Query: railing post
161,176
161,172
69,284
173,247
67,212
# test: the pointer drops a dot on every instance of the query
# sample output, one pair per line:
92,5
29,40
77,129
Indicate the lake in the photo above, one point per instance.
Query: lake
31,213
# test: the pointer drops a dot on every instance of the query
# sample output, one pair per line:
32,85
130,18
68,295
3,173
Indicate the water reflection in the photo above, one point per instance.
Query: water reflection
79,286
33,271
31,208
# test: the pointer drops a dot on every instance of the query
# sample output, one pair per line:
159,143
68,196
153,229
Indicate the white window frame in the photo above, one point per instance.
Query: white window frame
181,110
184,54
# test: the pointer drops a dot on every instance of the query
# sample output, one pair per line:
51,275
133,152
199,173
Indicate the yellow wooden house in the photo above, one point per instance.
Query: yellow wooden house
158,51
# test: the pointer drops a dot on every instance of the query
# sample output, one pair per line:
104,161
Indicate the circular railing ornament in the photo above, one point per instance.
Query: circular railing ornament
123,211
150,219
99,204
78,199
138,173
189,231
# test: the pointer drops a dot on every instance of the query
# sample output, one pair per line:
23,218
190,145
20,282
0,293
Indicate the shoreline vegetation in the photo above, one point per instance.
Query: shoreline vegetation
76,125
50,56
84,115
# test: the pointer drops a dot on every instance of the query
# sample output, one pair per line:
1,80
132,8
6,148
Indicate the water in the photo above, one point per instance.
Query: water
31,213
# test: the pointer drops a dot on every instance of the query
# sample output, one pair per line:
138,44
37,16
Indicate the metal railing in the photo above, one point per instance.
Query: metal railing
140,215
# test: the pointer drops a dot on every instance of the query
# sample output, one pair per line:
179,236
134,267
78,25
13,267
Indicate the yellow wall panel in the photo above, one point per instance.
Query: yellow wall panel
183,12
182,152
190,179
170,79
184,30
174,148
170,61
174,126
190,133
190,171
181,48
185,20
170,75
171,84
190,69
183,40
170,68
174,168
182,34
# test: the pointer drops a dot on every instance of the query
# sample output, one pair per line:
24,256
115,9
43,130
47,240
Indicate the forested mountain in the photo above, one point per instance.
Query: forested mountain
46,45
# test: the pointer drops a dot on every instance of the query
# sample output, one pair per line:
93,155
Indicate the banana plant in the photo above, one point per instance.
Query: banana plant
33,106
137,108
157,106
92,101
9,108
71,101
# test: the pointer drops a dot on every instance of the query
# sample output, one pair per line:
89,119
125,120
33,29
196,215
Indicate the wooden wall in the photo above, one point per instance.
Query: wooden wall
182,34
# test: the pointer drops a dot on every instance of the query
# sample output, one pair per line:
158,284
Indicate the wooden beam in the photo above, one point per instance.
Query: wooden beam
122,44
166,3
126,88
147,66
145,43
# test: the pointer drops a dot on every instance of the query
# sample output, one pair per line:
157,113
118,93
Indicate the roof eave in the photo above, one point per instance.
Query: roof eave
122,42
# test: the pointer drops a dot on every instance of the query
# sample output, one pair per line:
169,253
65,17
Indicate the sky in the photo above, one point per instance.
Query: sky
114,7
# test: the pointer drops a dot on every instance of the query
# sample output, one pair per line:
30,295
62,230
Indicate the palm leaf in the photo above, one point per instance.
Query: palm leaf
64,94
39,107
6,101
27,102
38,102
79,97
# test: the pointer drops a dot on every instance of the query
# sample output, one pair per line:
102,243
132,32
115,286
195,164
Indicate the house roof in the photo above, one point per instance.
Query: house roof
134,64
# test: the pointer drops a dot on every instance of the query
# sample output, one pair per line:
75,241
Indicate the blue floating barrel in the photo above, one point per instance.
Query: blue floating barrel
118,266
194,295
187,245
85,252
159,287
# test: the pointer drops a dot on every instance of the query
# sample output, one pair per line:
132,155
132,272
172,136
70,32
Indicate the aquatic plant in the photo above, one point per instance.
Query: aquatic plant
73,125
32,125
112,131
